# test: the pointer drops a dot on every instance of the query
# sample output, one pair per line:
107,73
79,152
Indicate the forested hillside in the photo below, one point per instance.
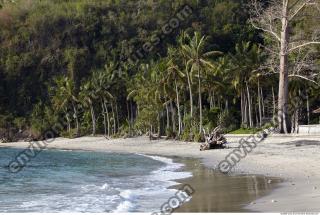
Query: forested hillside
127,67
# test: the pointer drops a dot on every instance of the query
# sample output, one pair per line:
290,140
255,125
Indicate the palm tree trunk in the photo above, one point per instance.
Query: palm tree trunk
245,112
93,118
108,118
200,100
150,132
211,100
249,107
114,119
132,112
168,117
159,125
173,117
274,103
308,110
128,117
178,106
242,108
190,93
76,118
184,116
262,102
104,119
259,105
227,105
292,122
117,113
297,121
68,121
257,117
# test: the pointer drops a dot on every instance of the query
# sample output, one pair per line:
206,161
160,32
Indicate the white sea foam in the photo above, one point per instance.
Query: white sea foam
144,191
125,206
168,173
155,187
105,186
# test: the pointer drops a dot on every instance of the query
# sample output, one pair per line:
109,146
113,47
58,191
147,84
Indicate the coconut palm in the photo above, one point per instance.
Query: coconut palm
198,61
65,98
173,77
87,96
102,94
182,40
245,63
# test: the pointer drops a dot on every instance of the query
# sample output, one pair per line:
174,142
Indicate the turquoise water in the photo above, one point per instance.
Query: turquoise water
75,181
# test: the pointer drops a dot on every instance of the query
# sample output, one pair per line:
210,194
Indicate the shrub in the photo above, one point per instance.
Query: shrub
226,121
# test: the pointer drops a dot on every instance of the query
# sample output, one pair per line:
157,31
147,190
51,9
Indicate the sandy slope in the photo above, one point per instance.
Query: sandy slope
294,158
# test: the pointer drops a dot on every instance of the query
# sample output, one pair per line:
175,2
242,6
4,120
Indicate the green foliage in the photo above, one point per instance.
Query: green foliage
198,137
187,135
42,119
226,121
211,118
245,131
170,133
20,123
73,57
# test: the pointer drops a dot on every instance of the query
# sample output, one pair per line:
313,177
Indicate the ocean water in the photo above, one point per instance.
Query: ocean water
76,181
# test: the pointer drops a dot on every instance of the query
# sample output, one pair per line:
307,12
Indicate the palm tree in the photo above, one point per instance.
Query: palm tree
102,94
147,94
174,75
87,95
198,61
64,96
245,63
214,82
182,40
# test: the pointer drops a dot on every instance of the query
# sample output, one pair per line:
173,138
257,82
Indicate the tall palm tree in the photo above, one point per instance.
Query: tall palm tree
245,63
87,95
101,86
198,61
174,76
65,97
183,40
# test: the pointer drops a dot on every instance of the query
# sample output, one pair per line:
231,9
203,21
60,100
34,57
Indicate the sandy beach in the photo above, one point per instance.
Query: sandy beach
295,159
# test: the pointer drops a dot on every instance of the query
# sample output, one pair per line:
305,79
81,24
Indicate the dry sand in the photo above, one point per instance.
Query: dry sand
296,159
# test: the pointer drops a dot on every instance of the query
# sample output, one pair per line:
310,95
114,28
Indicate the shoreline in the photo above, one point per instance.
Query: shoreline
292,158
246,189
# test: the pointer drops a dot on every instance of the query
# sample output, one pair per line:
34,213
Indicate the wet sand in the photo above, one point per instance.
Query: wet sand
214,191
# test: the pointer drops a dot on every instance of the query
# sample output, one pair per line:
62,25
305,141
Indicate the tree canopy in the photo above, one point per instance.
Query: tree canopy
70,59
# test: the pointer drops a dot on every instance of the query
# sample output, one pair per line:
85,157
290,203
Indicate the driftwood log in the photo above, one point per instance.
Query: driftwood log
214,140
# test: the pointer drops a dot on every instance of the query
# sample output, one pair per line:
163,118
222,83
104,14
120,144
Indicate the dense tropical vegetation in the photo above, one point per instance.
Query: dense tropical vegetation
65,63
